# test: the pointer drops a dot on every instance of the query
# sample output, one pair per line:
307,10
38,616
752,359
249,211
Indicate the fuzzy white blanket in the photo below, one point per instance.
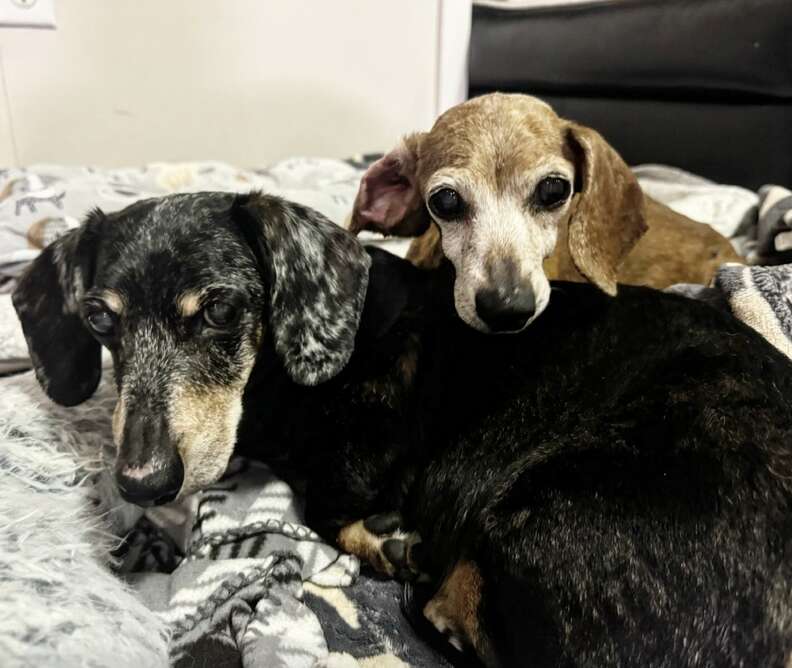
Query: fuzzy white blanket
61,605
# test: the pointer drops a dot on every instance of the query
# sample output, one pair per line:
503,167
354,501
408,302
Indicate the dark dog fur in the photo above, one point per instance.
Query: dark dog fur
610,487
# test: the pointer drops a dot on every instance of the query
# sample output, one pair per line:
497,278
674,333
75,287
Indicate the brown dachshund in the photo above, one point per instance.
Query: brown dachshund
514,196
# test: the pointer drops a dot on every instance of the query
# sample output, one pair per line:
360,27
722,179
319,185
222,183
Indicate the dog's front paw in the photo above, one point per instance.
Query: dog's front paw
382,541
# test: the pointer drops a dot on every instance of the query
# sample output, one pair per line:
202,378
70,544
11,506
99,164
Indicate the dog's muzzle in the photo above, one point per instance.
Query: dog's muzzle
505,313
149,470
507,302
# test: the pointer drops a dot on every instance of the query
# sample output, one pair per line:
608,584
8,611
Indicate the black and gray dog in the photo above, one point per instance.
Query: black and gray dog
612,486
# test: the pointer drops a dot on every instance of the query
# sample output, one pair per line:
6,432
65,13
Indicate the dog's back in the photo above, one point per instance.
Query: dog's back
608,558
631,504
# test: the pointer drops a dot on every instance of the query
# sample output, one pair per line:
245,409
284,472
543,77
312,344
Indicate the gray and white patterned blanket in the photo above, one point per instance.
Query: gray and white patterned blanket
41,202
760,296
240,580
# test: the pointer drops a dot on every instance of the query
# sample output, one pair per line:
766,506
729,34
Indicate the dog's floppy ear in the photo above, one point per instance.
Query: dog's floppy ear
318,275
65,356
609,217
389,200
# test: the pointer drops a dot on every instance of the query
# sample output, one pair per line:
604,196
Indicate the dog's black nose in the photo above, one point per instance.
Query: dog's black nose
508,312
149,470
154,488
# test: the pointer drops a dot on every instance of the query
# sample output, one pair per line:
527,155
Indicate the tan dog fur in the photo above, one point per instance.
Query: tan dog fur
675,249
493,149
454,610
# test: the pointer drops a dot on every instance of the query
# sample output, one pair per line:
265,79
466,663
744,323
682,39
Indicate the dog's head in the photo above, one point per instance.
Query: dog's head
501,175
186,292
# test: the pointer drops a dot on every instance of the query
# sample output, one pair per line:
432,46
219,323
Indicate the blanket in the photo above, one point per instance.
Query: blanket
772,236
240,580
41,202
59,518
760,296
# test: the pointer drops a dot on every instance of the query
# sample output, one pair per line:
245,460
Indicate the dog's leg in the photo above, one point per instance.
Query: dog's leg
454,611
381,541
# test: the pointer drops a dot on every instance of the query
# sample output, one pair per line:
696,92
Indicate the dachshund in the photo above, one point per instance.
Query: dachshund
515,196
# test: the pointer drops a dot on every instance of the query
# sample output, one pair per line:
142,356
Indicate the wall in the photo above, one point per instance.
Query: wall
247,81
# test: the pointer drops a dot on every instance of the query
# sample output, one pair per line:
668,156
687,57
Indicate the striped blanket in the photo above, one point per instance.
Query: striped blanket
239,580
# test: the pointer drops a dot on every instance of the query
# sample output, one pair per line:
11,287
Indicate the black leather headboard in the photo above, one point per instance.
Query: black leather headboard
705,85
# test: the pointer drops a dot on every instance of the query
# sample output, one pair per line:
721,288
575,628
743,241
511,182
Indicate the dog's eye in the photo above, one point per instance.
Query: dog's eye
447,204
551,192
220,314
101,321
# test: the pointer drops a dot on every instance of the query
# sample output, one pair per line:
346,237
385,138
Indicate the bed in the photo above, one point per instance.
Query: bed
231,576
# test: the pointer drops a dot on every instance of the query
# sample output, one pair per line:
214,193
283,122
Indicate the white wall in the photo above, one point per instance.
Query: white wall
246,81
455,18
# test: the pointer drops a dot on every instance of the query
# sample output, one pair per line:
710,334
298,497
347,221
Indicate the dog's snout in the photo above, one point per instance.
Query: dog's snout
505,313
149,470
160,486
508,302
